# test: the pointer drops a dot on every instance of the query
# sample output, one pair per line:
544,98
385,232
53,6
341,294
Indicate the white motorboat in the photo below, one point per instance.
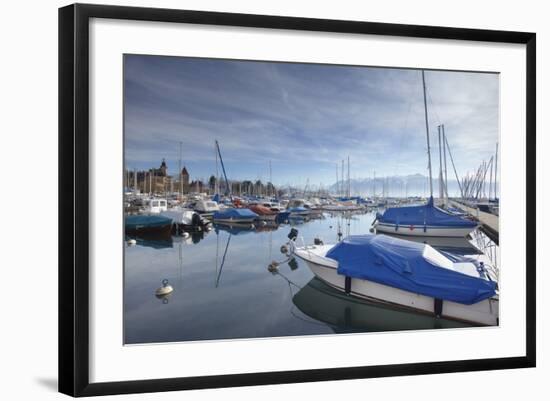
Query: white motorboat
206,206
385,269
186,219
155,205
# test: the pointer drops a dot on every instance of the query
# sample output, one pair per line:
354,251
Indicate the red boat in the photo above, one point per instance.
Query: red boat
264,212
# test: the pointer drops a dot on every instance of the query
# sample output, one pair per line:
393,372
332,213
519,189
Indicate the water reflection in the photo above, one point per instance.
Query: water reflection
223,290
346,314
162,243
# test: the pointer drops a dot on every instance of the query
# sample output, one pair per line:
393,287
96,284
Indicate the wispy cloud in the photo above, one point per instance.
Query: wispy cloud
304,118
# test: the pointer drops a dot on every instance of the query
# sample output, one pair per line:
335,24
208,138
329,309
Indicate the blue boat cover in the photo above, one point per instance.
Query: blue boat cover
146,220
402,264
235,213
427,214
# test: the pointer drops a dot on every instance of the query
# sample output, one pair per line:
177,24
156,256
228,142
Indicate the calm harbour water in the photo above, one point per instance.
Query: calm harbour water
223,290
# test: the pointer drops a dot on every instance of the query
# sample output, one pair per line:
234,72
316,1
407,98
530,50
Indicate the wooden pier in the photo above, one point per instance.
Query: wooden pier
489,222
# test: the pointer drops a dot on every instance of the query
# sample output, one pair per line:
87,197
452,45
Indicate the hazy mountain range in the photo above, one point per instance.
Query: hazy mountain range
410,185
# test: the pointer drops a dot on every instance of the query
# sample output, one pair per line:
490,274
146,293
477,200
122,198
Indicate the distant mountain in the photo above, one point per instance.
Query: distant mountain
399,186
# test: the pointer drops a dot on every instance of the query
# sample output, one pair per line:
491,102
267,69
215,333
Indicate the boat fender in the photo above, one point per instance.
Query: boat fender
284,249
438,307
273,267
347,285
131,242
396,226
185,234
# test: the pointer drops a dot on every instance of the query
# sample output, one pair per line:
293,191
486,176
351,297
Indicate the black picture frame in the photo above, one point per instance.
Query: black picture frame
74,200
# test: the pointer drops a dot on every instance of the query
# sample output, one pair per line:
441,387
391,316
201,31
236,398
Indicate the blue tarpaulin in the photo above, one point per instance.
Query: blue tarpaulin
235,214
428,215
403,264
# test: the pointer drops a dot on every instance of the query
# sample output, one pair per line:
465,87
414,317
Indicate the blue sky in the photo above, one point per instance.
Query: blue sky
305,118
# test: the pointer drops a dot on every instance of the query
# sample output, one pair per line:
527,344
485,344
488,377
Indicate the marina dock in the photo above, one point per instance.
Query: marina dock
489,222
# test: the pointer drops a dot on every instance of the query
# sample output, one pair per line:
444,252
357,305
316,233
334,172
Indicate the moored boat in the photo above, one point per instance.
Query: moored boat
235,215
206,207
424,220
148,225
263,212
186,220
407,275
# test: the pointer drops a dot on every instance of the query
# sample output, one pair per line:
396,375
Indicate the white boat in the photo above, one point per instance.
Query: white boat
484,312
155,205
185,219
423,230
274,206
206,206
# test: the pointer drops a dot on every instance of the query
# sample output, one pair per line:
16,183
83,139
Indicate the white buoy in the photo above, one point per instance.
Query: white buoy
132,242
164,290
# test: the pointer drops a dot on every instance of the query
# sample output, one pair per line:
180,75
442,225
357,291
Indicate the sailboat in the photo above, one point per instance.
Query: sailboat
424,220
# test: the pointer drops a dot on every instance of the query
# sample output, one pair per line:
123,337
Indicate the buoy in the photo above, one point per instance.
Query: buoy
185,235
273,267
164,290
132,242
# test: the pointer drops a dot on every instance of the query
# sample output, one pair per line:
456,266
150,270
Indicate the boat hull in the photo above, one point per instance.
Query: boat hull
149,231
235,221
421,231
481,313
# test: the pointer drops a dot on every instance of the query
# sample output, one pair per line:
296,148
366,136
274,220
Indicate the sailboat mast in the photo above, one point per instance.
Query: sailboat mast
349,182
336,179
440,164
270,180
445,162
223,169
342,190
181,176
496,167
216,182
427,134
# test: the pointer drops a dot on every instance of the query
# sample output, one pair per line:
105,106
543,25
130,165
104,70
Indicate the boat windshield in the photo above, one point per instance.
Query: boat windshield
436,258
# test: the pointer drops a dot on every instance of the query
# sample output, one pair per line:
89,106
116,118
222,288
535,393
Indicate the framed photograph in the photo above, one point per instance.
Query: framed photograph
251,199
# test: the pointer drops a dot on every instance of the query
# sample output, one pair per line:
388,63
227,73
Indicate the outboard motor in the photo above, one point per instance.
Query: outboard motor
196,220
293,234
